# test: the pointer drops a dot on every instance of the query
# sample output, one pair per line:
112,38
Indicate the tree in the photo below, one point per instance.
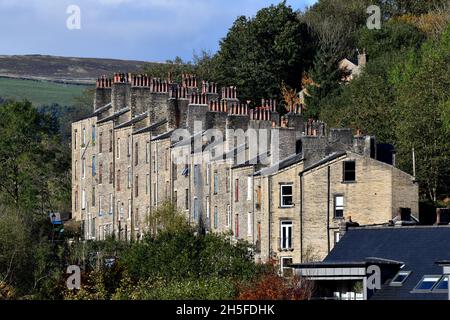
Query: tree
259,53
170,69
15,250
272,286
166,218
422,101
30,156
333,25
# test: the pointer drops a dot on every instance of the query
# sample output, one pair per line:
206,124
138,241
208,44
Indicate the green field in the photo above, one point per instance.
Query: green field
40,92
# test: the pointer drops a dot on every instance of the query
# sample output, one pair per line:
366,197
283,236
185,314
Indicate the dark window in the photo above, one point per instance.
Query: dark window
298,147
110,140
216,183
136,187
349,171
100,142
136,154
118,180
286,270
111,173
100,173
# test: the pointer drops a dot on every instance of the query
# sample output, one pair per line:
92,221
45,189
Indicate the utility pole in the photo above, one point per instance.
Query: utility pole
414,162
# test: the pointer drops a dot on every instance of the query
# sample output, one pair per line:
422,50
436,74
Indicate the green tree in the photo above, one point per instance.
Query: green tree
422,100
259,53
173,68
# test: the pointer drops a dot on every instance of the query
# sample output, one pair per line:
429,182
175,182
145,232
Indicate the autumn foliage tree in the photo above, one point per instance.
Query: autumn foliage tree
272,286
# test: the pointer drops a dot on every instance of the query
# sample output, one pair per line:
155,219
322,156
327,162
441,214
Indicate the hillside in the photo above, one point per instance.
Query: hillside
40,92
63,69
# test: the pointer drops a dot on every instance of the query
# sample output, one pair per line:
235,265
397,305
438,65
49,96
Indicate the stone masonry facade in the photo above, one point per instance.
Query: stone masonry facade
287,199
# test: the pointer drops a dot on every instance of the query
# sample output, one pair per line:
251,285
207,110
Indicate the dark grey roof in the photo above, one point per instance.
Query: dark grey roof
419,248
101,109
132,121
163,135
185,142
345,264
114,116
328,158
256,161
151,127
286,162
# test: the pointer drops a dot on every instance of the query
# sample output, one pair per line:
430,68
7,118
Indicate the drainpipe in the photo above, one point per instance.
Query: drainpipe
328,207
301,217
269,207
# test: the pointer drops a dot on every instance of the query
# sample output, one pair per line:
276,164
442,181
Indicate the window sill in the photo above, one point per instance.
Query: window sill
286,207
348,182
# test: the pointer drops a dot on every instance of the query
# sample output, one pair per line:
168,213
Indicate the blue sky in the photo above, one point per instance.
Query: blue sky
150,30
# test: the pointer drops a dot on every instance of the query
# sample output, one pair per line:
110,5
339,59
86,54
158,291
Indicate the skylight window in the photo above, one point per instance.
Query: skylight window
427,283
442,285
400,278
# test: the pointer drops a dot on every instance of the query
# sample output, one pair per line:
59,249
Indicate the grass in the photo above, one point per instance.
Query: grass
40,92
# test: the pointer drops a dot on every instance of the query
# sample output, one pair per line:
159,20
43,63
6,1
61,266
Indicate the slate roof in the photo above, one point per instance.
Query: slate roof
286,162
322,161
164,135
101,109
150,127
419,248
114,116
132,121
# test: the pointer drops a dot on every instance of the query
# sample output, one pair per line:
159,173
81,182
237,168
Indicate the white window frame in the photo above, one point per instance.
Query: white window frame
249,188
282,196
130,178
129,209
228,215
111,203
282,265
249,224
338,205
100,205
83,199
286,241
